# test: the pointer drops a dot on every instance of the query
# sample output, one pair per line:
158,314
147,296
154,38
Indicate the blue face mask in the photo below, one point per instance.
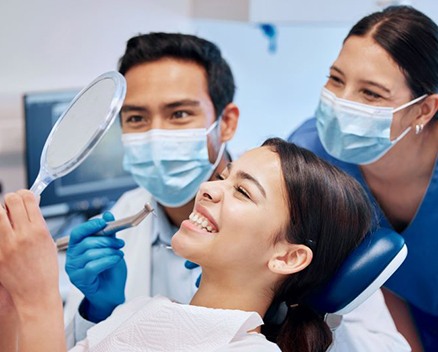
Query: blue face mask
353,132
170,164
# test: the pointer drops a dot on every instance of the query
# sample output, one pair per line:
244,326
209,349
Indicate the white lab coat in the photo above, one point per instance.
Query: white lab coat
367,328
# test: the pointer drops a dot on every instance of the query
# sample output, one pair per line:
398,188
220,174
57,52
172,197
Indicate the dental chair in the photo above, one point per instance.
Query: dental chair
364,271
362,274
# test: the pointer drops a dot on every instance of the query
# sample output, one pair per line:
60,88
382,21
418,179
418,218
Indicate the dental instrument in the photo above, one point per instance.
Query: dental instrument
114,226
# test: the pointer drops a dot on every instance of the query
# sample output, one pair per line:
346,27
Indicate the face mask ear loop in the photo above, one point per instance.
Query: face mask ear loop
409,103
222,147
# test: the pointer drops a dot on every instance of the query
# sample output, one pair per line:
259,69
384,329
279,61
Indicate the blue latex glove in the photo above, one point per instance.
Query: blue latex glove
190,265
95,265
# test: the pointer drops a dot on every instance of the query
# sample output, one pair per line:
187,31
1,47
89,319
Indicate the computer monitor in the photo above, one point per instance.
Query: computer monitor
96,183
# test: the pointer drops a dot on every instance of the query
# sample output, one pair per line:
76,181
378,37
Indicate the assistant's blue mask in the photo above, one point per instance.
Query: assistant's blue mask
353,132
170,164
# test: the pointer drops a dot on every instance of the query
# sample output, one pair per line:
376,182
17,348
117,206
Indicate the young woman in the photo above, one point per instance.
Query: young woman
275,225
378,121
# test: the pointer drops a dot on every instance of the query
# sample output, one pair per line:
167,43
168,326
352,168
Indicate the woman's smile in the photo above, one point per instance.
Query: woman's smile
202,222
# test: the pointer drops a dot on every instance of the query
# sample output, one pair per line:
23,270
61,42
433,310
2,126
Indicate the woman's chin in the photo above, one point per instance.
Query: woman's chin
182,245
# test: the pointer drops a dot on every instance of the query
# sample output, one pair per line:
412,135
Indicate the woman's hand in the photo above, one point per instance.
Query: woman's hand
28,255
29,278
6,304
8,322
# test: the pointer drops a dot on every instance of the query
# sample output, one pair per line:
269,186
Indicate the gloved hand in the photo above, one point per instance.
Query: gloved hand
95,265
190,265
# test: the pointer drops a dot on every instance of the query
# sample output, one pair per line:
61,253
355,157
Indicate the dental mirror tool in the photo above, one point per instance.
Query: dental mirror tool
80,128
114,226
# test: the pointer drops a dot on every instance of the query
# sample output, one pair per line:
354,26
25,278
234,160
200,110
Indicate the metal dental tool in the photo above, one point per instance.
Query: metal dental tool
114,226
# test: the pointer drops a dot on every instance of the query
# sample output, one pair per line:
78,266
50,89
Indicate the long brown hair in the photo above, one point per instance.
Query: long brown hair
330,213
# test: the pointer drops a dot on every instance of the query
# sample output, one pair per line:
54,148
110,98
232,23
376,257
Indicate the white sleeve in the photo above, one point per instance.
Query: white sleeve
128,204
369,327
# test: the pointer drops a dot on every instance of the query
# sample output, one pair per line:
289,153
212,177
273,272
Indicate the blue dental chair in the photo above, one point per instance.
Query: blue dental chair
362,274
364,271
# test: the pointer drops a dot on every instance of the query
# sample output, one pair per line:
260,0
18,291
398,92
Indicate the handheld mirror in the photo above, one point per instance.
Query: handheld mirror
80,128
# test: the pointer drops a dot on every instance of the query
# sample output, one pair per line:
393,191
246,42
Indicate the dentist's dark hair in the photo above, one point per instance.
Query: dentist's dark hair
152,47
330,213
411,39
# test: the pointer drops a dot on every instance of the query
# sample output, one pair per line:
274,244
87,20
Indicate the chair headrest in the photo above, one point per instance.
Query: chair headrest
362,273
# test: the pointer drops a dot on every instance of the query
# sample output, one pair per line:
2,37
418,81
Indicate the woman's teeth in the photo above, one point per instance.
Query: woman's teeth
201,222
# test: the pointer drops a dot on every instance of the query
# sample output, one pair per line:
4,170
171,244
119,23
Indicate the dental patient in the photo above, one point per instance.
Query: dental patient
276,224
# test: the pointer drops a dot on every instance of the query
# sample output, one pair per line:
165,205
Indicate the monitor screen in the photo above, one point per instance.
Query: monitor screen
96,183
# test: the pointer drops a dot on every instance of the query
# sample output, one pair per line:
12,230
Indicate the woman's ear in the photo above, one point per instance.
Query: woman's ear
290,258
429,107
229,121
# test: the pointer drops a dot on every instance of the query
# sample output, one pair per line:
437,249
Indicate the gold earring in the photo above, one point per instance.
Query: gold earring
419,128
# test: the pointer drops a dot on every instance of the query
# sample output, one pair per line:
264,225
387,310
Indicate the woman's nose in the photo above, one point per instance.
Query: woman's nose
210,191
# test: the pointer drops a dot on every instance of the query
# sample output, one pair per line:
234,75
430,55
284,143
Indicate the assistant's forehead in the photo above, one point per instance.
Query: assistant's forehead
362,58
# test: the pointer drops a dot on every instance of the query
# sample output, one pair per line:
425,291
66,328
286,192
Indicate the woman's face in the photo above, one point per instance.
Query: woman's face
236,218
365,73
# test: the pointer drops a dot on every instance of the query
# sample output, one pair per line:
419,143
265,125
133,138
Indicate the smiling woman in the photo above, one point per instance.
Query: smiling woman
276,224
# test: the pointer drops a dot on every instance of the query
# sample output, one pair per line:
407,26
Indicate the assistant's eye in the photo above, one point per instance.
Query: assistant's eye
371,95
334,79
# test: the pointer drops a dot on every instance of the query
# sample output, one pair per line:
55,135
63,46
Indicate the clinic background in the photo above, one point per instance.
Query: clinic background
51,45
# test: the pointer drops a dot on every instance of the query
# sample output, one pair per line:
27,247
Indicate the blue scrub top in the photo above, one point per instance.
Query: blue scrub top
417,278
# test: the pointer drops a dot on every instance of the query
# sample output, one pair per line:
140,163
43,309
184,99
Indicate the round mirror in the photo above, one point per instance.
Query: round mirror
79,129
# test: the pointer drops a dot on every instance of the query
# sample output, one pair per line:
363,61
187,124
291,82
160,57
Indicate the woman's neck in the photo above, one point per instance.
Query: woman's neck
226,294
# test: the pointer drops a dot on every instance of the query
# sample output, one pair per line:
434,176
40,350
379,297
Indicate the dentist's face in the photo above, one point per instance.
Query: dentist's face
236,218
166,94
169,94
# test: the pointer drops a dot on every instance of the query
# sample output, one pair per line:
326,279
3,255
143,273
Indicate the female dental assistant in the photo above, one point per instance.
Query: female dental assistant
377,120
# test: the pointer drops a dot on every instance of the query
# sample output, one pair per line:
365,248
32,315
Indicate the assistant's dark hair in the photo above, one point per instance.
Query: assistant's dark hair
155,46
411,39
330,213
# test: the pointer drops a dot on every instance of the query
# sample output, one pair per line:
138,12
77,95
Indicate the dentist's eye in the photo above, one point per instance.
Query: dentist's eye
180,114
134,119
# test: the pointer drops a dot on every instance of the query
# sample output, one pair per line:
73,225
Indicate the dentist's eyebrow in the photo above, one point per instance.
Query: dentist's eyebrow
182,103
245,176
135,108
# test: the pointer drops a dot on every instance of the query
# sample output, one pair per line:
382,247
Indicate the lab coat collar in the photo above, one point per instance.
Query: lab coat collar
163,230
